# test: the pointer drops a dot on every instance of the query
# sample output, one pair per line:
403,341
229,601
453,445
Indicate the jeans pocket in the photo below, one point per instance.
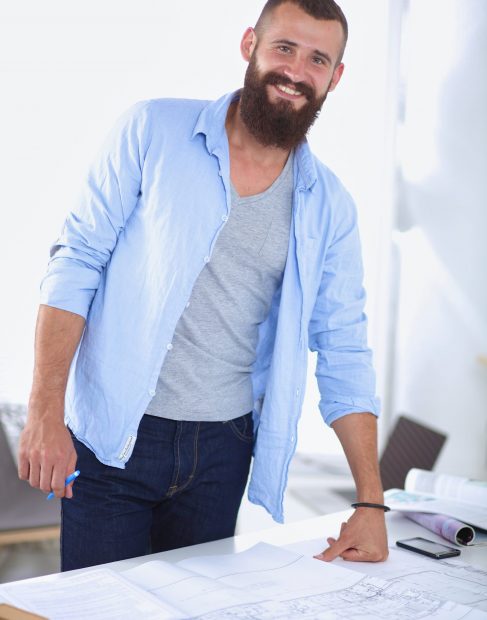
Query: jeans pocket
243,427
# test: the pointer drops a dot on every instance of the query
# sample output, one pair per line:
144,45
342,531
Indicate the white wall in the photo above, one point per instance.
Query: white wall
442,319
69,69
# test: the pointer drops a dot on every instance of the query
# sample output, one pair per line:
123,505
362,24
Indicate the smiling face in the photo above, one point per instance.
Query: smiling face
292,67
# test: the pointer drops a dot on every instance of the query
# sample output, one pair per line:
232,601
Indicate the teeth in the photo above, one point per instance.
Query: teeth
287,90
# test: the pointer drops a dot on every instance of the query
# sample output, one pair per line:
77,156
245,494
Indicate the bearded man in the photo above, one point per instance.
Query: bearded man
209,250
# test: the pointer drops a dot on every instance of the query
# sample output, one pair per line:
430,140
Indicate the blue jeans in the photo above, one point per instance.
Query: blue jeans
182,485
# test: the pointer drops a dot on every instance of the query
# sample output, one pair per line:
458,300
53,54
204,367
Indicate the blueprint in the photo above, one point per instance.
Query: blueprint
369,599
450,579
262,583
288,585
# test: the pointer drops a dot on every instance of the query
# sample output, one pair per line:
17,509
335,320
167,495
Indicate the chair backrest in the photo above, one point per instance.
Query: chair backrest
12,418
410,444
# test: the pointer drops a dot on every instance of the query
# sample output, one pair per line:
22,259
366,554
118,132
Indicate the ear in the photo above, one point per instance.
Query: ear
248,43
337,74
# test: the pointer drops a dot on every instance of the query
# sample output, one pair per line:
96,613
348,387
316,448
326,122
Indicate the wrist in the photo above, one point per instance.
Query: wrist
370,492
48,381
373,498
46,405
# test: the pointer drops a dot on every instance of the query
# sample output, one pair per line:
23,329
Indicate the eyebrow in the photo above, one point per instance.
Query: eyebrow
323,55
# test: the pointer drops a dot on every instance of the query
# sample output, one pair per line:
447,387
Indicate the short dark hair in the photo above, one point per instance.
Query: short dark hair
319,9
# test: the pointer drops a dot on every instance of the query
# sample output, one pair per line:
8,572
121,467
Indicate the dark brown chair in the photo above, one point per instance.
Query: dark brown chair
410,444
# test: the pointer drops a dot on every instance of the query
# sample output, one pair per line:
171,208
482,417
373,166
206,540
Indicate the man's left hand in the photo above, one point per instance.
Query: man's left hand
363,538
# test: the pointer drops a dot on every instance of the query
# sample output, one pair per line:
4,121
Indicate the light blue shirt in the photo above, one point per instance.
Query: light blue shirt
152,207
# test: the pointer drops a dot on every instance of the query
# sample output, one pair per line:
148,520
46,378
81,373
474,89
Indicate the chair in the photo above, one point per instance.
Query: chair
410,445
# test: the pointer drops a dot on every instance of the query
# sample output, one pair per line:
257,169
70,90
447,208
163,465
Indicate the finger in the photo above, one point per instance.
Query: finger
68,491
24,467
34,474
58,481
330,541
72,462
45,478
335,549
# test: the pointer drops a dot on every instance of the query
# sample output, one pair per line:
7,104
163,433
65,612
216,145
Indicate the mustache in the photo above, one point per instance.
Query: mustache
272,78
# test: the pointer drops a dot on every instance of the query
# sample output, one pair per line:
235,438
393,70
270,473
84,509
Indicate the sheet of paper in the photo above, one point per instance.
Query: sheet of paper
272,571
98,595
191,593
449,579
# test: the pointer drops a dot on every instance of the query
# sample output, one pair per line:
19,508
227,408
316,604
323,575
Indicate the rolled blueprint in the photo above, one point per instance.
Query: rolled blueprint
451,529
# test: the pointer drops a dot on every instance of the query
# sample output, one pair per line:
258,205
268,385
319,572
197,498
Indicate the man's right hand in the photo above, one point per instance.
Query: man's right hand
46,452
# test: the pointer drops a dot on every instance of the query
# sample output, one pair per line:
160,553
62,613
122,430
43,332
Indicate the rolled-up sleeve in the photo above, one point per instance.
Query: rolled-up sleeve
108,197
338,326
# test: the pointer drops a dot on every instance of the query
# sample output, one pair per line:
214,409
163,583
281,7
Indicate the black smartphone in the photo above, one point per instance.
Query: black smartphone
428,547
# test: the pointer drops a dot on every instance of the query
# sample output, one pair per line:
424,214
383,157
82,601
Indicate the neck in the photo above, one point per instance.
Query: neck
240,138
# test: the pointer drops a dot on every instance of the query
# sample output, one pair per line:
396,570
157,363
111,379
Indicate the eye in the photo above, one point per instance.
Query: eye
284,48
318,61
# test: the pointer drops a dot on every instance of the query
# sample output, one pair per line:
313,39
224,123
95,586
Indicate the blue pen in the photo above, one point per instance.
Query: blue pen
69,479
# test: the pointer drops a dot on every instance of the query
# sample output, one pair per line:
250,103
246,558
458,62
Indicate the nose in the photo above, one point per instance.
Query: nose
295,69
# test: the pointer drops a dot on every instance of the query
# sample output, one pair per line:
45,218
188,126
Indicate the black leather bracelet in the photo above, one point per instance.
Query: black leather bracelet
368,505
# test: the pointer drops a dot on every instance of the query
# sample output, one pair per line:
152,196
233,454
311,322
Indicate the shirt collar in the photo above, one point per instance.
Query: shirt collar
211,123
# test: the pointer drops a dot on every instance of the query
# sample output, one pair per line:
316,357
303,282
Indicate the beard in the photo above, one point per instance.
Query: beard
276,124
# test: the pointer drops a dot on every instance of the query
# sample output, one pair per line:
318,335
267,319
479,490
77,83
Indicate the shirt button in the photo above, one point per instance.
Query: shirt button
187,305
297,392
152,392
224,218
169,347
207,259
220,173
292,438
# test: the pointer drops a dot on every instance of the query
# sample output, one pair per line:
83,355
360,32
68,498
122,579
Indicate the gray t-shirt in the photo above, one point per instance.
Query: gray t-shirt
206,374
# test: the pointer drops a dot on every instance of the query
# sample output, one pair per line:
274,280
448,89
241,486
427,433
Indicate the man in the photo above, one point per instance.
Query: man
209,250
